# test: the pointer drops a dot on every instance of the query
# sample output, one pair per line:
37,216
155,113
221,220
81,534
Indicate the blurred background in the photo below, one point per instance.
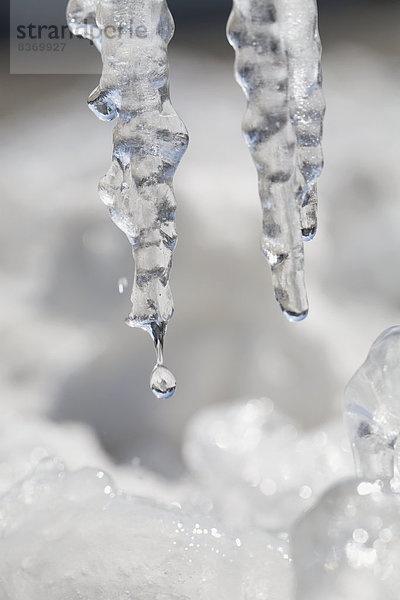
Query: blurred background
65,351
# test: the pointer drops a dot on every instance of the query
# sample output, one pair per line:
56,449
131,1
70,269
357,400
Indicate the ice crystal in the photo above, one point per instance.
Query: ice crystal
348,545
373,410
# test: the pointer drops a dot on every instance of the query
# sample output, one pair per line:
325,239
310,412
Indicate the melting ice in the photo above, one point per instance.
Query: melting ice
373,410
278,54
348,546
149,141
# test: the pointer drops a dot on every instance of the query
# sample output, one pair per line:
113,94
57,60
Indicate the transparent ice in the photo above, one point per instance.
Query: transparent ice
149,141
348,546
278,55
373,410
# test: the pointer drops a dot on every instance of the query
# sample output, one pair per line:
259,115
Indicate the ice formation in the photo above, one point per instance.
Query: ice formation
373,410
110,546
348,546
261,470
278,54
149,141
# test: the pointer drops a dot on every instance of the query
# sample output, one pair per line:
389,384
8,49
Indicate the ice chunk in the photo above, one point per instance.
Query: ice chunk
26,440
259,468
373,410
71,535
348,546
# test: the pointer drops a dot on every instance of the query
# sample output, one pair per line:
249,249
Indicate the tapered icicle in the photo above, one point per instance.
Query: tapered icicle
278,65
149,141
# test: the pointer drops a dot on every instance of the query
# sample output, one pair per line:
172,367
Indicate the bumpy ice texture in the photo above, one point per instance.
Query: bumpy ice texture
260,470
71,535
373,410
149,139
278,65
348,546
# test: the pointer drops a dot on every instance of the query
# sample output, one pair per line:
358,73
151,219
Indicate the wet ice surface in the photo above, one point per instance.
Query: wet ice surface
238,527
278,54
373,410
348,545
112,546
226,529
161,539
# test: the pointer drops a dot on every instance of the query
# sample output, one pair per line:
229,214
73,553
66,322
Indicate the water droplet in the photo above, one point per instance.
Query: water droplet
295,317
162,382
105,103
309,234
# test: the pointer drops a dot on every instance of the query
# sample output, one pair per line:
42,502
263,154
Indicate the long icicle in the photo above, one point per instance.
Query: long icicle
278,66
149,142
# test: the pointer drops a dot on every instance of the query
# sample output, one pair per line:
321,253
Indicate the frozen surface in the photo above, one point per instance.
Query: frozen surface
278,55
373,410
348,546
149,141
25,443
111,546
261,469
225,532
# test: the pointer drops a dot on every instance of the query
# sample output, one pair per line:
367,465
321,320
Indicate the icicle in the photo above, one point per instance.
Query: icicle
278,66
149,141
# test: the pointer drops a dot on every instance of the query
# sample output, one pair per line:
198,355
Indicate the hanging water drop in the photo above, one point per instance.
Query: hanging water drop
162,382
295,317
